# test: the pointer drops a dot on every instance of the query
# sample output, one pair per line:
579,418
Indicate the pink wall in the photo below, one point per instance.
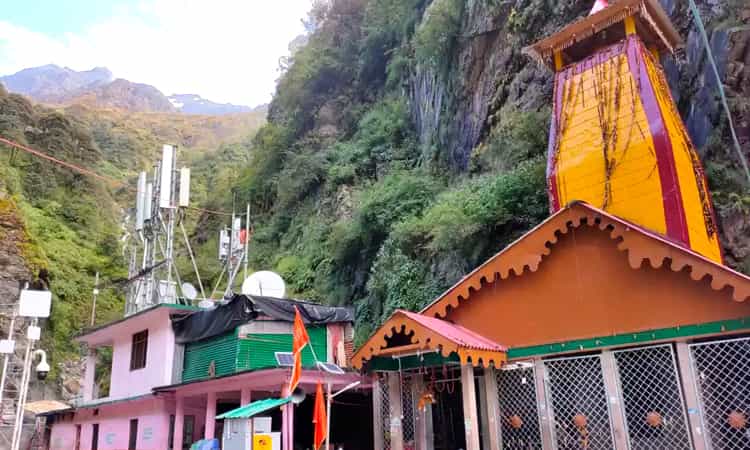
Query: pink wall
114,427
63,436
159,357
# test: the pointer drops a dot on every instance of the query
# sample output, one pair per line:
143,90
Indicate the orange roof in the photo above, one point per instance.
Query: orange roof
526,253
429,333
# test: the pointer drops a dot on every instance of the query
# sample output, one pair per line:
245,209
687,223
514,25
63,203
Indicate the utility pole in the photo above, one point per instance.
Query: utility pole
95,294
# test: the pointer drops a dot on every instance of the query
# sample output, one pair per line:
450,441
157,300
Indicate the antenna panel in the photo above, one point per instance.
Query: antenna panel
184,187
223,244
140,200
147,202
165,185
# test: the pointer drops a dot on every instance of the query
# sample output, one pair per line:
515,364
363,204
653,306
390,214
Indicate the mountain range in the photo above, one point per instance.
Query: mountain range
99,88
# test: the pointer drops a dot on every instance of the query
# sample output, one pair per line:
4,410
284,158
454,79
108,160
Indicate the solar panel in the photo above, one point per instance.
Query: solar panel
331,368
284,359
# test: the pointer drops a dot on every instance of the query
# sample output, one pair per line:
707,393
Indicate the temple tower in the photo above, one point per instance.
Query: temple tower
617,140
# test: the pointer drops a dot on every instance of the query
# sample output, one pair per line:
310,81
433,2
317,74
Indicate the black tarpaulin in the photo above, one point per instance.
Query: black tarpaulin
314,314
213,322
243,309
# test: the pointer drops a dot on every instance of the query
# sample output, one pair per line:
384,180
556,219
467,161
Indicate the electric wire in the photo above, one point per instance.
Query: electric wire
98,176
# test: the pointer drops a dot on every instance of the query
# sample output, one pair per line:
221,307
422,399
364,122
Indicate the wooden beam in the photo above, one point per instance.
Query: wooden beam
492,410
471,422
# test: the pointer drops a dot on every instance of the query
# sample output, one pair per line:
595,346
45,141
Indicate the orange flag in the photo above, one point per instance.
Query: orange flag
299,340
320,421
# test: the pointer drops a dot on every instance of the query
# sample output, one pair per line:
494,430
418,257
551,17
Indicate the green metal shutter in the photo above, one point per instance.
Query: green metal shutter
222,350
256,351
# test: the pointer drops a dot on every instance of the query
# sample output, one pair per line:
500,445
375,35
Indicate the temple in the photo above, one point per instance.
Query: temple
616,140
611,325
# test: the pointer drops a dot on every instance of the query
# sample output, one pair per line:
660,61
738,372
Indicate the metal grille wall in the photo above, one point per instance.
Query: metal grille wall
518,409
722,374
383,425
407,409
652,399
579,403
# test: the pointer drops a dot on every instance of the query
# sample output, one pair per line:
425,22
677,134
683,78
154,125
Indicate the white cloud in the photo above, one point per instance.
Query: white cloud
224,50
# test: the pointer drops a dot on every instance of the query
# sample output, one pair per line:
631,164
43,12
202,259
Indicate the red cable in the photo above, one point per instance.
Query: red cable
91,173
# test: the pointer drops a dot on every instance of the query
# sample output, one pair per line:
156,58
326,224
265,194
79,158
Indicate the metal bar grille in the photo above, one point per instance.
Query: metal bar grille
579,403
407,409
519,415
722,374
652,399
385,411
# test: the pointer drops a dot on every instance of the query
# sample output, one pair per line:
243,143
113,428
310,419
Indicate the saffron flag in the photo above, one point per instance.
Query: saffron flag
320,419
299,340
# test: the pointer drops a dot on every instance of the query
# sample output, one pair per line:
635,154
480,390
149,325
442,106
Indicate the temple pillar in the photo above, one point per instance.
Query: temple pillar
423,435
378,427
397,414
89,378
179,422
246,396
287,421
471,422
609,370
492,411
546,425
691,395
210,415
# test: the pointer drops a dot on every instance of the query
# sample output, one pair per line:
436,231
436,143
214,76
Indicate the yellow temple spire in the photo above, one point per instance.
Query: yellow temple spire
617,140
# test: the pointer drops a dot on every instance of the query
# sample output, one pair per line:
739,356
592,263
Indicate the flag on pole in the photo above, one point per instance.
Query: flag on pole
299,340
320,421
598,6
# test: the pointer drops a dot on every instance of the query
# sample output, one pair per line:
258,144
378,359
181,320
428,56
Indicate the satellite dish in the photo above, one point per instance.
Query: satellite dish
264,283
188,290
206,304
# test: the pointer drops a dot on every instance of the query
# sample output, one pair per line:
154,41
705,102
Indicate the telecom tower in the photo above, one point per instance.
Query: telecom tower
159,201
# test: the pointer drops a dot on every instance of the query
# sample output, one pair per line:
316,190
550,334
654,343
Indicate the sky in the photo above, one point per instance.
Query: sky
223,50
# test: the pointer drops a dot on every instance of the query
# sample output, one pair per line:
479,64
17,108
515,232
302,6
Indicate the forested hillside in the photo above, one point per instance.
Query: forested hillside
59,227
406,143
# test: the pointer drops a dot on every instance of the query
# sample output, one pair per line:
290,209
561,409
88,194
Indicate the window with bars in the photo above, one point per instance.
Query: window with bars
138,350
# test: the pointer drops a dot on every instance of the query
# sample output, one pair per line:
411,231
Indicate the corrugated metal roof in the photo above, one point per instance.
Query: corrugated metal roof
456,333
255,408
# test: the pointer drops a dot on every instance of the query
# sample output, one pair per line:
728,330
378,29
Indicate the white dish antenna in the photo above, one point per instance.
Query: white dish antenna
206,304
264,283
188,290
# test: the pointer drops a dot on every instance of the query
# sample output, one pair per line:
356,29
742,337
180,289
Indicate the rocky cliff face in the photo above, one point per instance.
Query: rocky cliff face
488,74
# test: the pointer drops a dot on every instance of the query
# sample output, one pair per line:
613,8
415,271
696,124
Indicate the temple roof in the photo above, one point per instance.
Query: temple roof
653,26
430,334
526,253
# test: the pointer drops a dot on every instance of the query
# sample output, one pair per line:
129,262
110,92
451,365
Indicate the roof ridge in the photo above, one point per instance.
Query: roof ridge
542,238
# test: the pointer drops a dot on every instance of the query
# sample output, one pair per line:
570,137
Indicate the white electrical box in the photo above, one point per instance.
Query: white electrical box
7,346
33,333
35,303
